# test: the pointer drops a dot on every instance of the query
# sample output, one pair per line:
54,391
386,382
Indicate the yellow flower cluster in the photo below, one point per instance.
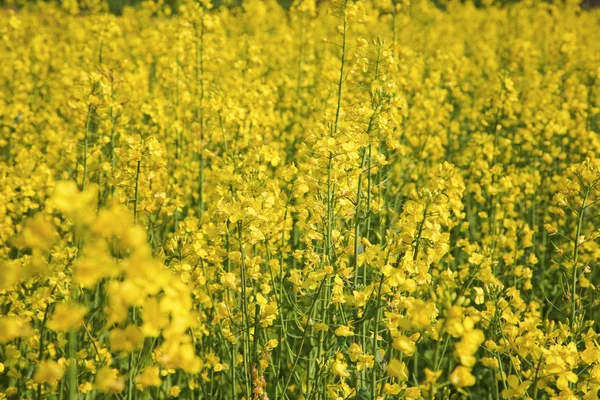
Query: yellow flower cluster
340,200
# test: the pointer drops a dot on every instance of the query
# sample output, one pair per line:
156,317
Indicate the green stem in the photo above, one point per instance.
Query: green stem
576,261
72,371
85,146
136,193
245,319
375,333
304,333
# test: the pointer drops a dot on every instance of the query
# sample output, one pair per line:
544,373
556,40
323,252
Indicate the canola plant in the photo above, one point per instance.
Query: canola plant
340,200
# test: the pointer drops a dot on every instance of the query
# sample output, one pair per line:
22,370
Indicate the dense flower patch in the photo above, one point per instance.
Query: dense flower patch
349,200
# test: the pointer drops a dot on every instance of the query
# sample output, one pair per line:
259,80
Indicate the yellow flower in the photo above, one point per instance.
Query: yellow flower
594,375
109,381
432,376
155,319
339,369
38,233
127,340
365,361
462,377
319,326
515,388
268,310
67,317
218,367
12,328
479,295
174,391
86,387
74,203
392,389
271,344
48,372
468,346
405,345
490,362
398,370
150,377
95,264
566,378
229,280
344,331
412,393
355,351
232,198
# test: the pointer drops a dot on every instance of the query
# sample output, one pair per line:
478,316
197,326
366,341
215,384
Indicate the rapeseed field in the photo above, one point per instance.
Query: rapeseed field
337,200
